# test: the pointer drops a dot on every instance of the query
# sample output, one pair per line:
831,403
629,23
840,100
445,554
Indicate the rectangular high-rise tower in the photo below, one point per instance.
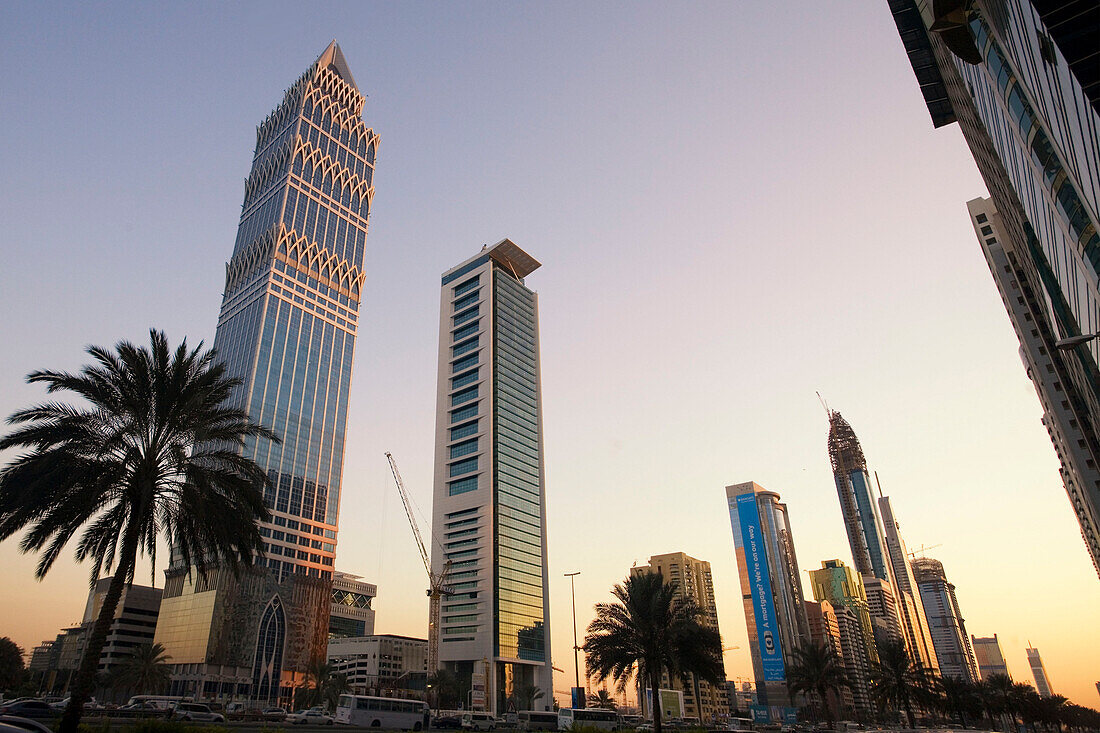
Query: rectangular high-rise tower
945,621
287,331
771,587
1039,672
489,508
702,700
1022,80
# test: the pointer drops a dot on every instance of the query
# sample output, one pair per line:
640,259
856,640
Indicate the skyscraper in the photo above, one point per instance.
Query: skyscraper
1020,77
843,590
913,619
287,331
702,700
825,631
987,651
1039,672
1078,470
945,621
489,508
771,587
865,533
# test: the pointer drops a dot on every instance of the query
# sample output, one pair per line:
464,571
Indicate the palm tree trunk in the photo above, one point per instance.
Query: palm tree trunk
89,664
655,680
824,693
905,705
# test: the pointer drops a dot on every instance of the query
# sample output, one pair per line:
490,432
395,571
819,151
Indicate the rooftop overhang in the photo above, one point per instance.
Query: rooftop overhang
515,260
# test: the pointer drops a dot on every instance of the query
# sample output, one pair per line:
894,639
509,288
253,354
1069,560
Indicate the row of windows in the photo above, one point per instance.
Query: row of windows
462,431
463,380
462,486
464,449
461,467
466,315
464,363
467,301
466,331
464,348
464,396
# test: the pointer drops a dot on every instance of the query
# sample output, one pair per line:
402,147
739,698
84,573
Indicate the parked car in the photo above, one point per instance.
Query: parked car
196,711
447,721
29,709
313,716
276,714
15,724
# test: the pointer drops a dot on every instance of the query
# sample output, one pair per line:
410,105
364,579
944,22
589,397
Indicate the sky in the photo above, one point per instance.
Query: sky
736,206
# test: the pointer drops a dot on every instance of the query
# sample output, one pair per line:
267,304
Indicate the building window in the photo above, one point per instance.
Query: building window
463,364
457,469
464,396
462,486
464,413
462,381
464,348
467,286
465,316
987,231
982,218
464,449
464,430
466,331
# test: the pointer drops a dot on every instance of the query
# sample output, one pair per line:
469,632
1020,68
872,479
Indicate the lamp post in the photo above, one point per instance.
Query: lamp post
576,648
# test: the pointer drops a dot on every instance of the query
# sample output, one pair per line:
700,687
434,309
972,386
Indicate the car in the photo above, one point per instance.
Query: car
313,716
276,714
29,709
188,711
447,721
15,724
478,721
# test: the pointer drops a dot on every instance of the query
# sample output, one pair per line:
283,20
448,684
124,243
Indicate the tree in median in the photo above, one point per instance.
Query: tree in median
153,451
11,664
900,682
650,631
146,670
816,668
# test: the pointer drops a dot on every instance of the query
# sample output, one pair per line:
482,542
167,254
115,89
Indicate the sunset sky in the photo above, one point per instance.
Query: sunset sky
736,206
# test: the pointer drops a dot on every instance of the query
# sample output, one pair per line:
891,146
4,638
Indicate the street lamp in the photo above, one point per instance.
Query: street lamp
1072,342
576,648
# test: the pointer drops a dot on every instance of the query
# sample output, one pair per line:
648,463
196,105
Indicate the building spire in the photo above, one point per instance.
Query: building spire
334,57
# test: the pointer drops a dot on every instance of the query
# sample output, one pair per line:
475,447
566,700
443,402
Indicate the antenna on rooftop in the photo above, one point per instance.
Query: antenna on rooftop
823,403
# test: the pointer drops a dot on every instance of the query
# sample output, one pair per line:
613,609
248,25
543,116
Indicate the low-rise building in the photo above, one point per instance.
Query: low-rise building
350,614
382,664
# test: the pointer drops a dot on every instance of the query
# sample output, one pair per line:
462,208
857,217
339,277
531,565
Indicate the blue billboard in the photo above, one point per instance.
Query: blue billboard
760,584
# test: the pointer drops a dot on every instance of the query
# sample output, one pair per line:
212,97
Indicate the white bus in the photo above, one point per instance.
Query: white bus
382,712
537,720
160,702
587,717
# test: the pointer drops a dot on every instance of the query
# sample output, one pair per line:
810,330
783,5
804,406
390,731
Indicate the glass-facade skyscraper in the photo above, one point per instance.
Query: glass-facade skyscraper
771,588
489,507
287,331
1021,79
953,650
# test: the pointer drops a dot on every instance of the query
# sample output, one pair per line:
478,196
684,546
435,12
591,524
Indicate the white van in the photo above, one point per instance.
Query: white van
478,721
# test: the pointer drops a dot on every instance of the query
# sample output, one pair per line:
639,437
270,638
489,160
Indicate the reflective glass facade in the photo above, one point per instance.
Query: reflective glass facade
1023,94
291,304
489,509
286,331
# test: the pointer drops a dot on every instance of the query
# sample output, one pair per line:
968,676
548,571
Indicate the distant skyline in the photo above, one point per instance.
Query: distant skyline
735,206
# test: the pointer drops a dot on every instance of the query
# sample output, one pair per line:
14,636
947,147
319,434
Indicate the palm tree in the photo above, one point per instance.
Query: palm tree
525,696
147,670
958,697
987,698
153,453
1001,692
323,685
650,631
815,668
898,681
602,699
446,689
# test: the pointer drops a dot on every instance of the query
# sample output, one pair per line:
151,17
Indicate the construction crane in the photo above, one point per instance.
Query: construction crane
923,548
437,587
